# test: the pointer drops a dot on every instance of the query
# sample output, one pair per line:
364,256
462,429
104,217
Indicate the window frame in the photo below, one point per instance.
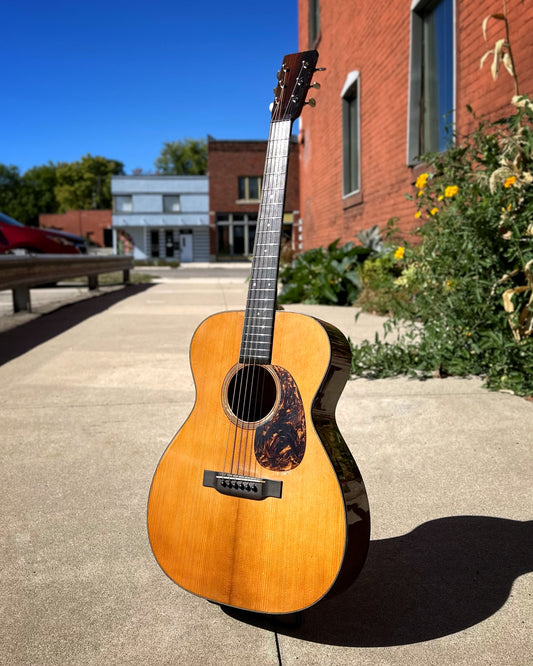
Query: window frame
126,198
314,22
230,221
246,187
350,90
418,8
167,199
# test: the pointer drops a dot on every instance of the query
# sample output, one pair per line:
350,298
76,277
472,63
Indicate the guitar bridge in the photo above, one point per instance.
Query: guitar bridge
237,485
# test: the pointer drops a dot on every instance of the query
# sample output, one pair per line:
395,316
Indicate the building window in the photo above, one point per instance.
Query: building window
171,203
250,188
235,234
350,135
314,21
431,93
123,204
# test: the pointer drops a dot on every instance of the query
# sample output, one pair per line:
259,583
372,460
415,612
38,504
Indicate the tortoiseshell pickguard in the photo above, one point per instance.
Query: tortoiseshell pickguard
280,442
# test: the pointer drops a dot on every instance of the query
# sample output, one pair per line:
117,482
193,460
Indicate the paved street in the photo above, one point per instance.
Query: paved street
93,392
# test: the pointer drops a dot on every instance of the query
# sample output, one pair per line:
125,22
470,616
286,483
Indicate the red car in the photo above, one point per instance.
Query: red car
15,238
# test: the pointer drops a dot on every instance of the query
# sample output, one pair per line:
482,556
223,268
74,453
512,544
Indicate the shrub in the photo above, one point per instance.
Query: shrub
470,279
325,276
382,289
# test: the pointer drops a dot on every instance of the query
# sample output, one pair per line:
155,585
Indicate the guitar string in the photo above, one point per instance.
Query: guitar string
273,181
249,371
264,268
258,268
247,452
271,169
248,357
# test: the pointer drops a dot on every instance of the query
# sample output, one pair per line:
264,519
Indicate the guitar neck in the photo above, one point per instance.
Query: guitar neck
258,329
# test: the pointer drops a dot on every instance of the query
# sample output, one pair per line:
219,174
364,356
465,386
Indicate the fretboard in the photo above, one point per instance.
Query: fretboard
258,329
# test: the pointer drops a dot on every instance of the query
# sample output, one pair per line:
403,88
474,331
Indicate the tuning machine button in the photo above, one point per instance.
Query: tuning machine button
311,102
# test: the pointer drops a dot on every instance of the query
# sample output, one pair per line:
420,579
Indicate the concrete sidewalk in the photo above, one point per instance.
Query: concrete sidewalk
91,395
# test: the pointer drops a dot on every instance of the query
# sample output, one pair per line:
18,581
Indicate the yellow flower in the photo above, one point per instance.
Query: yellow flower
418,214
441,197
421,180
451,191
399,253
434,211
510,181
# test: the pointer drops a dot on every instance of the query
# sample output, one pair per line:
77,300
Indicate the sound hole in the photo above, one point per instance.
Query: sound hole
251,393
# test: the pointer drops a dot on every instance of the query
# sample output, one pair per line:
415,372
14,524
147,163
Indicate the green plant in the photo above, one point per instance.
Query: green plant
501,53
371,238
324,275
384,282
470,278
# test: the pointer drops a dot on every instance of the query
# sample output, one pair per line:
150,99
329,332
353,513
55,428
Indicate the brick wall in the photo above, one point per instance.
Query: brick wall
476,87
373,37
84,223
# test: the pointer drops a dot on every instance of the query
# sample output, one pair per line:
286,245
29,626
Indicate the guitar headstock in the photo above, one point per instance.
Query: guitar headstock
294,81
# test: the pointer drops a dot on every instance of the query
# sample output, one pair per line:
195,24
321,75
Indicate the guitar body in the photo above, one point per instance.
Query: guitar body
282,543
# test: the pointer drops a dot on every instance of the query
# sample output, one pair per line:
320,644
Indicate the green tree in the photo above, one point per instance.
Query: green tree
38,184
11,199
86,184
183,158
24,197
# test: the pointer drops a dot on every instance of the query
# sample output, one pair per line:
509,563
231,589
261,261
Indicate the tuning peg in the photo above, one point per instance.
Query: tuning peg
311,102
315,85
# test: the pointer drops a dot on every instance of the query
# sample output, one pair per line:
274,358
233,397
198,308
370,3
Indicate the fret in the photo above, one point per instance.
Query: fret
258,327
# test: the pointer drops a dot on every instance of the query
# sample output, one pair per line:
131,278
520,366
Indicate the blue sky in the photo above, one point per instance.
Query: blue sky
119,78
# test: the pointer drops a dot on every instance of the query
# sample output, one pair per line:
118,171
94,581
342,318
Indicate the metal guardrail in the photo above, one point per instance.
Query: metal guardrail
21,273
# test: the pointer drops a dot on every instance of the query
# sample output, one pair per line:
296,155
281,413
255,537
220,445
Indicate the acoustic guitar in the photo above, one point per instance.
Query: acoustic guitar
257,503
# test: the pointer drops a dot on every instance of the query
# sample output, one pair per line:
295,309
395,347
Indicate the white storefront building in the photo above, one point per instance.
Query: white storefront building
161,217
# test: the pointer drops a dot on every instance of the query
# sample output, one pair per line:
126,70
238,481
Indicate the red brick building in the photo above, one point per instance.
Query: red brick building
398,71
92,224
235,170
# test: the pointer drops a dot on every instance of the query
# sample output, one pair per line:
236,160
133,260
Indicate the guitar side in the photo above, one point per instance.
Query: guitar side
279,554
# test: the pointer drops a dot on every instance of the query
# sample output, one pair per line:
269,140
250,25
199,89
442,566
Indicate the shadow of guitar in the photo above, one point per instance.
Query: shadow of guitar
444,576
